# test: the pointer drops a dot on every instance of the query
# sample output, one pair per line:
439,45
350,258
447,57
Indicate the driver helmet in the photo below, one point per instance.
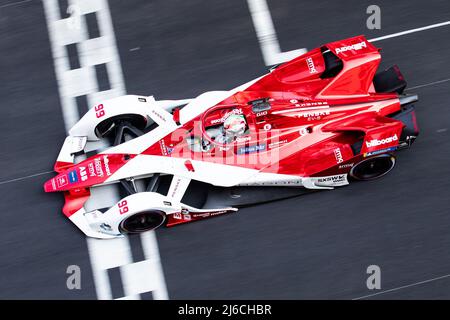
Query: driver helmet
234,125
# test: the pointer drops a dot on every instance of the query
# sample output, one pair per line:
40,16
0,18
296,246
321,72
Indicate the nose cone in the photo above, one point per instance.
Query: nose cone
50,186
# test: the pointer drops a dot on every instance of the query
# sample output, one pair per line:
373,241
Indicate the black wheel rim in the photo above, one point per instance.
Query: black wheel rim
373,168
143,221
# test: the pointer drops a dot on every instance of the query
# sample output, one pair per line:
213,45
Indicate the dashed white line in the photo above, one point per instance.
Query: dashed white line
104,254
267,36
402,33
151,253
25,177
428,84
14,3
402,287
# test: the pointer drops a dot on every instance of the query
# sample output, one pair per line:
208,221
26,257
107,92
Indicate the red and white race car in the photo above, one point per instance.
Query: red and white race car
315,122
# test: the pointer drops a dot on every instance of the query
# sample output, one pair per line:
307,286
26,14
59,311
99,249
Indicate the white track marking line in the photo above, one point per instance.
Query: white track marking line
60,60
25,177
268,40
151,252
14,3
107,254
402,33
267,36
403,287
428,84
104,254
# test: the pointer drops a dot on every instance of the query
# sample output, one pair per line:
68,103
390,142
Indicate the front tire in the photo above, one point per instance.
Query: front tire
142,222
373,168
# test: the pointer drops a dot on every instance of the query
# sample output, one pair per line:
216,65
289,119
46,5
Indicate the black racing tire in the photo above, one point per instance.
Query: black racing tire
142,222
373,168
105,128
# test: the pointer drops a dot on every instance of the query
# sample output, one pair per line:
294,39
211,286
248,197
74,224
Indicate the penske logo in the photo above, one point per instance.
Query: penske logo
356,46
377,142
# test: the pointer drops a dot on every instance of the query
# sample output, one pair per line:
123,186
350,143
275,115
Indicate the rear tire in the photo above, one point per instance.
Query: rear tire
142,222
373,168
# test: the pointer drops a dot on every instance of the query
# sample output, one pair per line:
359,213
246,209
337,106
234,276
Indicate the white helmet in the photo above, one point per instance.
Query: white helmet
235,125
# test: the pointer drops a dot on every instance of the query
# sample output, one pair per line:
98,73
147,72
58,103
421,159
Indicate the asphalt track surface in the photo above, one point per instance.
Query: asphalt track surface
314,246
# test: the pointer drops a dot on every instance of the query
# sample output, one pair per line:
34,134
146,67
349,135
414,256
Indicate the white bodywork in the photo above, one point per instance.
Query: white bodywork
106,225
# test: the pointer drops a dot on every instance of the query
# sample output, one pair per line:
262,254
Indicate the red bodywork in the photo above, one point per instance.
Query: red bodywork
337,111
312,122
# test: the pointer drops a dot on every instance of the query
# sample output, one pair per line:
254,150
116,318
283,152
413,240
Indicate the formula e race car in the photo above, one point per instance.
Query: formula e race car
316,122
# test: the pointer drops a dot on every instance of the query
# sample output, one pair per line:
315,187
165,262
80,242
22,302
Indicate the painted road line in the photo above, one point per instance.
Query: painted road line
82,81
403,287
151,252
402,33
268,40
267,36
14,4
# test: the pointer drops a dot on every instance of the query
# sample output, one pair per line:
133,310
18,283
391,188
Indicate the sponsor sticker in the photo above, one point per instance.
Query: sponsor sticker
251,149
177,215
91,169
83,173
73,176
338,155
159,116
356,47
311,66
347,165
243,139
368,154
277,143
163,147
62,181
262,113
315,115
332,179
98,167
106,163
379,142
